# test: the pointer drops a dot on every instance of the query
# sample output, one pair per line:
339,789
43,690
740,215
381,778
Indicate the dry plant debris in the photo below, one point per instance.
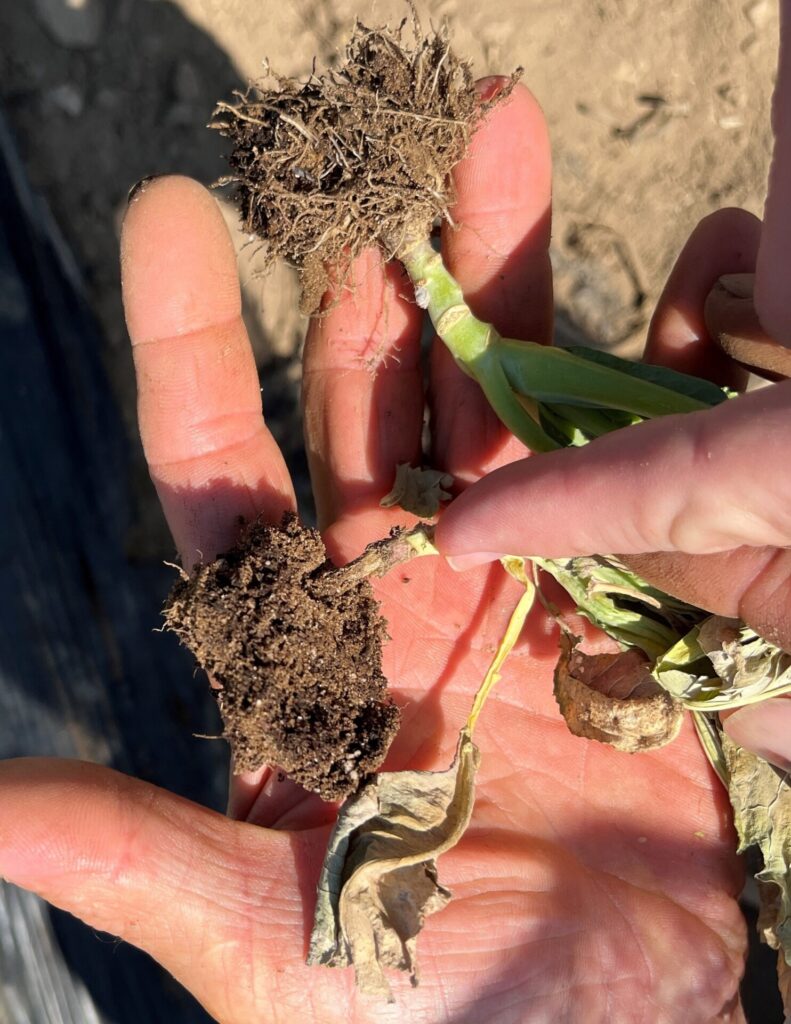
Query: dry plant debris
357,156
614,698
418,490
761,798
379,880
294,647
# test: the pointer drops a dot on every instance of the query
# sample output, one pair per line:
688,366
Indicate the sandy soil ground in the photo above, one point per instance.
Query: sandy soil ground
658,115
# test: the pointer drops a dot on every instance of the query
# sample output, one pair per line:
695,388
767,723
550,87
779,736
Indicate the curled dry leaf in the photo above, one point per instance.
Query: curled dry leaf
613,698
418,490
722,663
379,880
761,799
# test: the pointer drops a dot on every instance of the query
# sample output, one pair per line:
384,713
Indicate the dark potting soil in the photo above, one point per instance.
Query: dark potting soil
295,655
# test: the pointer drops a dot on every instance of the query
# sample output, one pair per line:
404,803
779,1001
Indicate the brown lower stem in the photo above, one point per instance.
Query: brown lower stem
377,560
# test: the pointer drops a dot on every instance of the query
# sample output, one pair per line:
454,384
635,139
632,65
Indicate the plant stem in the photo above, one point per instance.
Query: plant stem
436,290
378,559
533,388
472,343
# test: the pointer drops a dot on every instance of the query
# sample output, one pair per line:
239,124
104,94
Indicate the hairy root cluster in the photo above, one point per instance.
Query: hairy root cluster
356,156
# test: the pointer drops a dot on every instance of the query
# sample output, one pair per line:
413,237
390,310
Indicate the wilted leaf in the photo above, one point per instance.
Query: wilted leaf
761,799
418,490
618,601
379,880
614,698
721,664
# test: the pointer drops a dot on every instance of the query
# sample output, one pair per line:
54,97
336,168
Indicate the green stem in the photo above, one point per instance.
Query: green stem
511,372
472,343
436,290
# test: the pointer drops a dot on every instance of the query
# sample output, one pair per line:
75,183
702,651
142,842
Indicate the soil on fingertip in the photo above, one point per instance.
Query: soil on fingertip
355,157
297,665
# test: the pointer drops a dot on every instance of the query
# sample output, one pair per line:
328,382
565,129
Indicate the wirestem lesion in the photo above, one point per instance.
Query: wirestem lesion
377,560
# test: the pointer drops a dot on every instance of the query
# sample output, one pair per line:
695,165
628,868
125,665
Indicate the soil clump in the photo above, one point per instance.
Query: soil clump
294,649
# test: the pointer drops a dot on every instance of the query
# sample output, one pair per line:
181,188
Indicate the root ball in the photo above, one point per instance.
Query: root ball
355,157
297,667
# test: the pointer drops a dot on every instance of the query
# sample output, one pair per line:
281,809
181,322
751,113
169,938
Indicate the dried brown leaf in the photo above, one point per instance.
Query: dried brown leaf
614,699
418,490
761,799
379,879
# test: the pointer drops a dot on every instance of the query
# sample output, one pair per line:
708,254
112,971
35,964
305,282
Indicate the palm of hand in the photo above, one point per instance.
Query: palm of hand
589,884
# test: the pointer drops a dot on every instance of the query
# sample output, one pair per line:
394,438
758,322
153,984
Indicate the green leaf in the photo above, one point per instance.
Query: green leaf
554,375
703,391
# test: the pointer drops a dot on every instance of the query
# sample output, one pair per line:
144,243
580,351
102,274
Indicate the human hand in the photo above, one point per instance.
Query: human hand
699,505
590,884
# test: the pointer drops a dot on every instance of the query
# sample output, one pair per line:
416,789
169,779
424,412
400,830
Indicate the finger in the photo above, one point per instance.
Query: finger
362,388
208,898
725,242
774,257
763,728
700,483
210,455
499,253
732,320
748,583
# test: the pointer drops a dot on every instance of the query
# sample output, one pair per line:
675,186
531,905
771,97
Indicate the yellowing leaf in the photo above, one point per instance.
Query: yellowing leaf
516,567
614,699
379,880
761,799
418,490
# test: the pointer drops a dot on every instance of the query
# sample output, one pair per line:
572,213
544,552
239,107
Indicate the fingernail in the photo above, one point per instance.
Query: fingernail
738,285
490,87
139,187
764,729
461,563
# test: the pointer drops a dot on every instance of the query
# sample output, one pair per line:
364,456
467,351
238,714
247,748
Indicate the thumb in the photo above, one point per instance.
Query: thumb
763,728
209,898
700,483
